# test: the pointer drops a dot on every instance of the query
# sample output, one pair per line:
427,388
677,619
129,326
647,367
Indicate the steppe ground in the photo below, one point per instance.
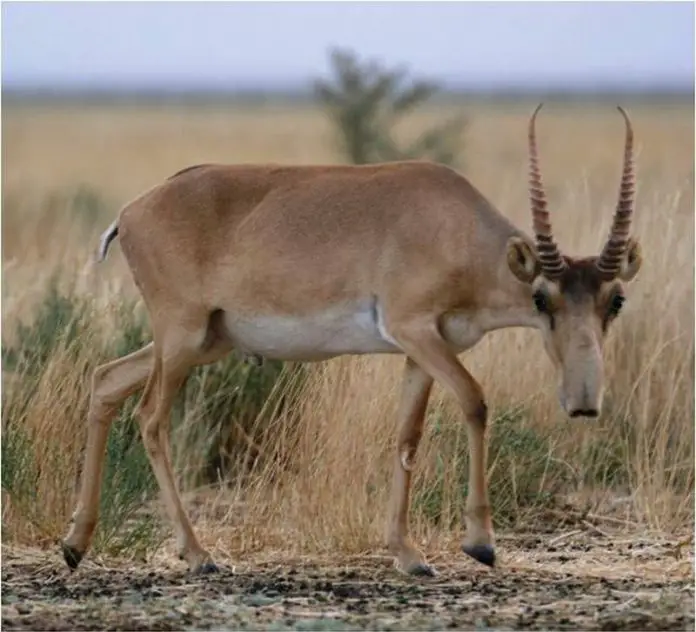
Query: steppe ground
304,550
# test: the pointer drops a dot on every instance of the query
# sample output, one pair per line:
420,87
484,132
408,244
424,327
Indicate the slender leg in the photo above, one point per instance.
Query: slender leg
415,390
170,373
421,340
112,383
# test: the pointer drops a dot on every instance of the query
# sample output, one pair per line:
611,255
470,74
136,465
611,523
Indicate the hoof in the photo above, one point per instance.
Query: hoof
71,556
483,553
208,568
422,570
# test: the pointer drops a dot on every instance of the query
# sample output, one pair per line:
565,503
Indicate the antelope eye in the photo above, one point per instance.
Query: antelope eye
540,302
616,303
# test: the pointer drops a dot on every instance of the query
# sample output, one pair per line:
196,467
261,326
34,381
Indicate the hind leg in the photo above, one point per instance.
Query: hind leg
177,351
112,383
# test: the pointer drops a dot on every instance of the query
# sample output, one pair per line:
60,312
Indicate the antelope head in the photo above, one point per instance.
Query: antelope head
577,298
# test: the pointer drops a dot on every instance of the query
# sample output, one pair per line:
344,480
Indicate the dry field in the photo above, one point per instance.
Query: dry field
595,519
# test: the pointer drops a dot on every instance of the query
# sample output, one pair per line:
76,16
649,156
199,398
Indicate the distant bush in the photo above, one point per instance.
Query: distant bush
365,101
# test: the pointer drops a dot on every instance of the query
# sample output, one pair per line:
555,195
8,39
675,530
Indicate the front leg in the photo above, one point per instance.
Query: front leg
420,339
415,390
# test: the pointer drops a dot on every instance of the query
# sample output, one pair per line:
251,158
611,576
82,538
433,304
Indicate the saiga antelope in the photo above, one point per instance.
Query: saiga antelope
311,262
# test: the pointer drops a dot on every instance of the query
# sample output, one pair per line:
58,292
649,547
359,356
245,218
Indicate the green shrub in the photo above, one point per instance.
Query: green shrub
57,322
226,409
19,473
87,205
525,476
522,472
365,101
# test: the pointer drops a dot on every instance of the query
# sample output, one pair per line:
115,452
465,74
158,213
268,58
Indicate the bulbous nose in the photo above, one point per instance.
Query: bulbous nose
584,412
586,403
581,386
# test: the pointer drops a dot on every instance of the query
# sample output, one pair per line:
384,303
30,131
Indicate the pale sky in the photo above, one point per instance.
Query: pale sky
262,44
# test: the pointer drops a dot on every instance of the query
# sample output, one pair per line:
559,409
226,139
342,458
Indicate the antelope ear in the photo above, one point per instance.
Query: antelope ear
522,260
632,261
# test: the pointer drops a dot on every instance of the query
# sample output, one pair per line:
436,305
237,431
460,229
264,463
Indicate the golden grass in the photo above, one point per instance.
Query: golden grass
334,495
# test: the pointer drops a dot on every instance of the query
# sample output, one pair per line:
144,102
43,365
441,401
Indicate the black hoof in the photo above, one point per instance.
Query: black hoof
422,570
71,556
483,553
209,568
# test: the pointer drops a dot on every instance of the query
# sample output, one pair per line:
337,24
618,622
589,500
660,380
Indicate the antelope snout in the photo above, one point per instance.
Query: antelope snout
589,404
582,385
584,412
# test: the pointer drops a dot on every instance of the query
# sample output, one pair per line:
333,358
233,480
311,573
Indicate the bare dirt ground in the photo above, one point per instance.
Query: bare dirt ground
563,582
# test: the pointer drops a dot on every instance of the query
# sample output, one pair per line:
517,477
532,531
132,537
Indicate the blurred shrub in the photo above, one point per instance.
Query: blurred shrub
365,101
88,206
227,408
525,477
56,322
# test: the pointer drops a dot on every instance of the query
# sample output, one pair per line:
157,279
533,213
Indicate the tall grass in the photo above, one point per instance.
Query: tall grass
306,456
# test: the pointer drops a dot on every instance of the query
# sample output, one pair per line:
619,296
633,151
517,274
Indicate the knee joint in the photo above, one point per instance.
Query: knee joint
99,407
98,376
478,414
408,444
150,434
146,407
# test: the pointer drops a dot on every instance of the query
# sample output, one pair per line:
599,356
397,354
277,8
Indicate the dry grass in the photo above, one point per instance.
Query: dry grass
637,462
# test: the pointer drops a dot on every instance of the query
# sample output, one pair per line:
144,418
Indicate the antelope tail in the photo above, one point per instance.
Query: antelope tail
106,238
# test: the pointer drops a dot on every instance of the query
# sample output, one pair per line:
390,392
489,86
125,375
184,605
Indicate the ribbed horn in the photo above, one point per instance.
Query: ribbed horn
609,262
552,264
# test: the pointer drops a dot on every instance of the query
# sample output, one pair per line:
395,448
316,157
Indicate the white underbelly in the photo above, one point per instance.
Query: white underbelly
347,330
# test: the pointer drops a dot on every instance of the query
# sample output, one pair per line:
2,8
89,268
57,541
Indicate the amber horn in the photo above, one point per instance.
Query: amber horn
609,262
552,264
